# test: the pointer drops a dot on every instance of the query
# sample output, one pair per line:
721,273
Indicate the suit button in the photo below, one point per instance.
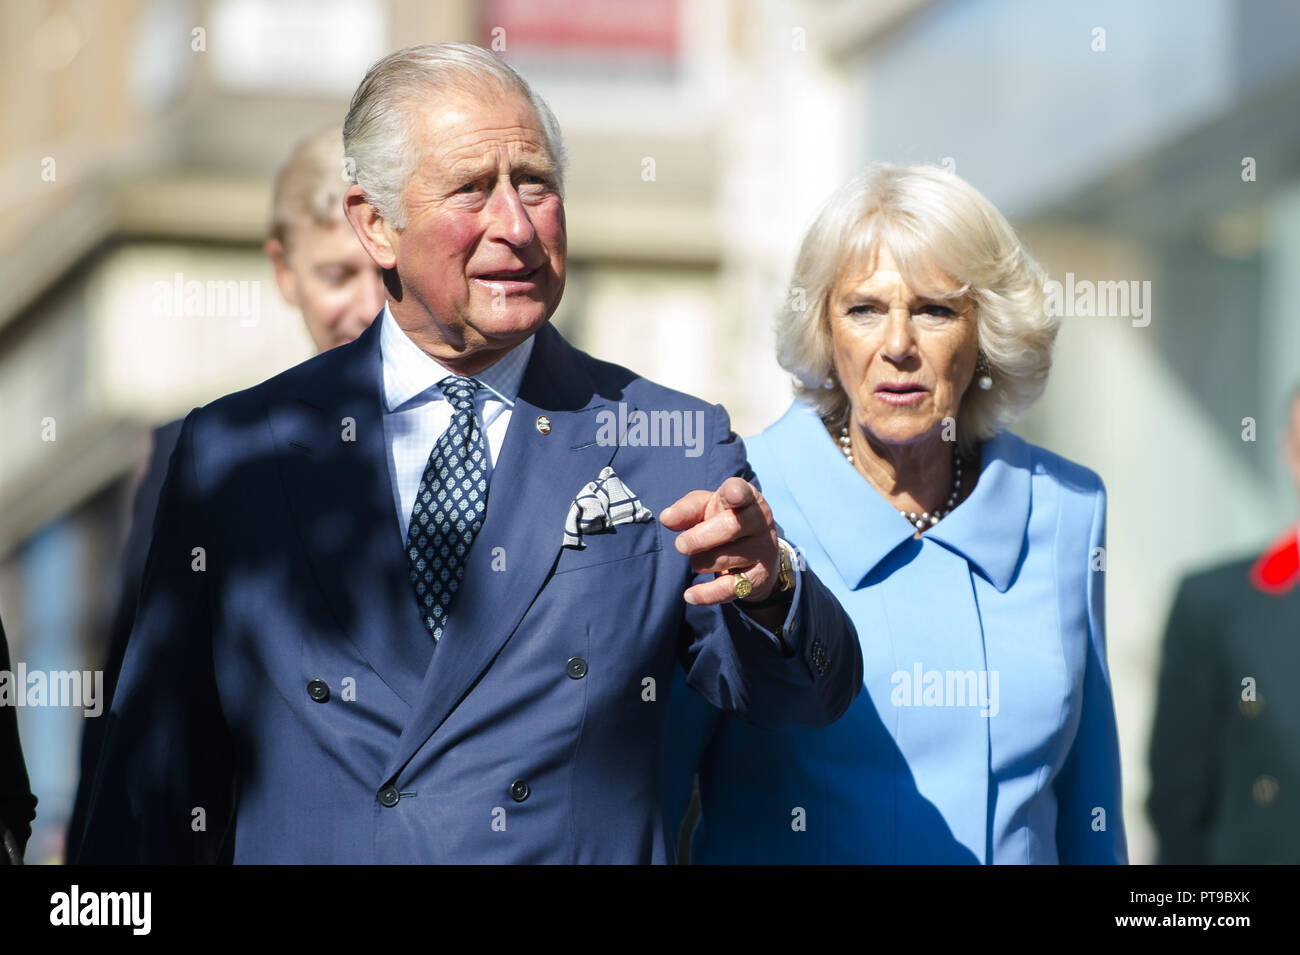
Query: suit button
1265,791
1251,708
318,690
576,668
388,797
519,790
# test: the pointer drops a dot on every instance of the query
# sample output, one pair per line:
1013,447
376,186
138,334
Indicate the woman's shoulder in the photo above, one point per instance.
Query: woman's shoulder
1046,465
795,434
799,425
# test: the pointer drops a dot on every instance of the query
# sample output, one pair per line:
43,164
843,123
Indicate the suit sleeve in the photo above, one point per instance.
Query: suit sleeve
164,782
1090,779
735,665
1184,739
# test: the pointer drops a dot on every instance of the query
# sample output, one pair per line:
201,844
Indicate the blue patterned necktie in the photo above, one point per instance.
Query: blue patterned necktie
449,507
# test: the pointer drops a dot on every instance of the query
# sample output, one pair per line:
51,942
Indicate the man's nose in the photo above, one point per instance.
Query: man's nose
509,217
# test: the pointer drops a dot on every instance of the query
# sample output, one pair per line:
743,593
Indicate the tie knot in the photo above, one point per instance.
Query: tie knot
459,391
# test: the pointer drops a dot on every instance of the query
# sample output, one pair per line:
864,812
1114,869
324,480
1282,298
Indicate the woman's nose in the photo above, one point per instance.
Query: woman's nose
900,341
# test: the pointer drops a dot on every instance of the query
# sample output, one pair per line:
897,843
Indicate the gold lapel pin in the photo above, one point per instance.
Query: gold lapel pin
543,424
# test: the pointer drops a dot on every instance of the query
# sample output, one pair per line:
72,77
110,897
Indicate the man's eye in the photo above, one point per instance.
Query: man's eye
468,187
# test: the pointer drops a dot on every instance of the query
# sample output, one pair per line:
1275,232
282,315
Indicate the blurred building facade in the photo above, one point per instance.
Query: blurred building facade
140,138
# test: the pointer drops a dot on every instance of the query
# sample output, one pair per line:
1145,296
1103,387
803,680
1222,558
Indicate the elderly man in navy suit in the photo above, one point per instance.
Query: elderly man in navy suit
409,601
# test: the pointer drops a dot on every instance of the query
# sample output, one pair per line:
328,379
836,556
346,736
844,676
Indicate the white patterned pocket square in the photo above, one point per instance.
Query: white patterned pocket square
602,505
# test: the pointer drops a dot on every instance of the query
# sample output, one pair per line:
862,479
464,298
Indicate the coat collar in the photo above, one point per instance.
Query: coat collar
987,529
1278,568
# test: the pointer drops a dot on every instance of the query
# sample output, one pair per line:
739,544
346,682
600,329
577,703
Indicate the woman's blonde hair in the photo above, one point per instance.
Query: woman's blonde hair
926,217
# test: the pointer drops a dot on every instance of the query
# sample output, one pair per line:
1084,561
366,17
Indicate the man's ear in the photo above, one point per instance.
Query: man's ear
375,234
284,277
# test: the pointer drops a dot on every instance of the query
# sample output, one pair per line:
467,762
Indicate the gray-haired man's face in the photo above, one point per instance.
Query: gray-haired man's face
483,251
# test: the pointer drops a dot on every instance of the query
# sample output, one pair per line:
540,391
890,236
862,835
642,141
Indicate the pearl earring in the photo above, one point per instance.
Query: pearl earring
829,383
985,379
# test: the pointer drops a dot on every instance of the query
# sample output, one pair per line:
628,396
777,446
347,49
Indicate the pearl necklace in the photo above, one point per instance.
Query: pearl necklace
925,518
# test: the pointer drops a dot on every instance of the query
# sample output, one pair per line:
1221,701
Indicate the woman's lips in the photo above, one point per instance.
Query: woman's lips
901,394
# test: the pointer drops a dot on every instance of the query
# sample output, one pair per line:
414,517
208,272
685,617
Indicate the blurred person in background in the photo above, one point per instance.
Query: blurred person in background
967,558
322,270
1225,765
320,266
17,804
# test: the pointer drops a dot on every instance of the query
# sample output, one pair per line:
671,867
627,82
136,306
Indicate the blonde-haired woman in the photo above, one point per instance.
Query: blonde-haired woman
968,558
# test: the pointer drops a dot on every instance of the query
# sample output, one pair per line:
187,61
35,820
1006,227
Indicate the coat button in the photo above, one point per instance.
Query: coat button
576,668
1265,791
388,797
318,690
519,790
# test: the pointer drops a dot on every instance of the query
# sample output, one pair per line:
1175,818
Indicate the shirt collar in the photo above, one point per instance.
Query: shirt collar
988,528
409,372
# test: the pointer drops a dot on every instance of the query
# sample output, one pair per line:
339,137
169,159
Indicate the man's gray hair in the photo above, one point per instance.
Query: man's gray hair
377,146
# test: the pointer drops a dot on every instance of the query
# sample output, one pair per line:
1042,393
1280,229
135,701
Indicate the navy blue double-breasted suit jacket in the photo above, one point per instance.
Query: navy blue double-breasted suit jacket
280,700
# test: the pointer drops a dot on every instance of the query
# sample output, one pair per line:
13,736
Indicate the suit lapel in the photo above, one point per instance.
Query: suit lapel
535,479
329,436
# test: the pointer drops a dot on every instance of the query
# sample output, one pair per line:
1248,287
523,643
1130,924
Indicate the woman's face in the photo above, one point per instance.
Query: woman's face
904,360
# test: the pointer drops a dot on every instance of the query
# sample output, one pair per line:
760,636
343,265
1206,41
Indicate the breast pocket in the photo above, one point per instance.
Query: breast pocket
618,543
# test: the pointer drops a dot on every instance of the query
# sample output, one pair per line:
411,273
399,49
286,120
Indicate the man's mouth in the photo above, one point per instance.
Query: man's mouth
510,275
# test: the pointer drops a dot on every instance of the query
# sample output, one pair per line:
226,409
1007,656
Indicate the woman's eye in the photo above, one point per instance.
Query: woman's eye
942,310
869,309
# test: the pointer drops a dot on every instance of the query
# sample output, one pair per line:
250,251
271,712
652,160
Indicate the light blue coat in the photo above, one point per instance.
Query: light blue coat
986,732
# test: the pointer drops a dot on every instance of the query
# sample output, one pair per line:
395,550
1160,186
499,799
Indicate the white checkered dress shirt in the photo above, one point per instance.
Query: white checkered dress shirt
416,412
